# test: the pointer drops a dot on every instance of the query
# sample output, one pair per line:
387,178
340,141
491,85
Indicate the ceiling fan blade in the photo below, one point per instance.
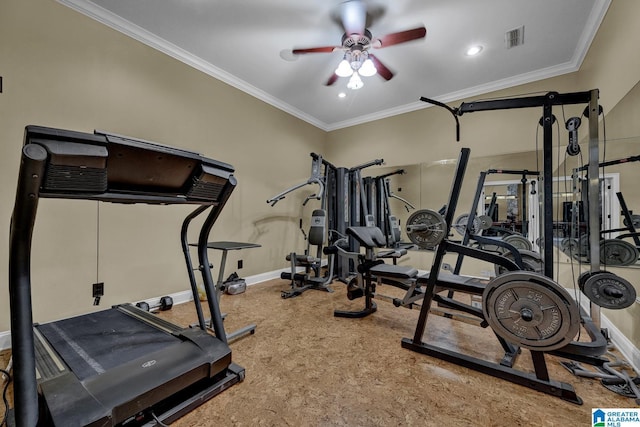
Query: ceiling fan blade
353,15
400,37
332,79
322,49
382,69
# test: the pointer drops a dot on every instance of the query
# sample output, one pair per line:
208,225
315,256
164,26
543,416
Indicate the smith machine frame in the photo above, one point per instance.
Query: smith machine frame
580,351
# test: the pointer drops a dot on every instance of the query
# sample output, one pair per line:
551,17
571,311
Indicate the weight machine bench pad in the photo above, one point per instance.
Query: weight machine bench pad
394,271
470,285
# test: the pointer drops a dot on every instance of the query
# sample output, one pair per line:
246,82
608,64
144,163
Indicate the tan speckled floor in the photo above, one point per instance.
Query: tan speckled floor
306,368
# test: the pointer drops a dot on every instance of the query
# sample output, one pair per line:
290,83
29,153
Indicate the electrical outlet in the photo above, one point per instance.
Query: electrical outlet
239,264
98,292
98,289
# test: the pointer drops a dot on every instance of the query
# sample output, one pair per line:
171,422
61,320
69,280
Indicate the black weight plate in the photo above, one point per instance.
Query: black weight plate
519,242
608,290
582,279
460,225
485,222
584,247
531,261
530,310
571,248
435,232
618,252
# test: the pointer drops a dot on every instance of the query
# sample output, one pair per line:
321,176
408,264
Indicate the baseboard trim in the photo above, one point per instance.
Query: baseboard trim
5,340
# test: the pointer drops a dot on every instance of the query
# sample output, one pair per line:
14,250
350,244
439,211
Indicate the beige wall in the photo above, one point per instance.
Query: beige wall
62,69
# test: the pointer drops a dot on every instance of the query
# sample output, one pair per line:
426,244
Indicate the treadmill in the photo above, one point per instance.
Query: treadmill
119,366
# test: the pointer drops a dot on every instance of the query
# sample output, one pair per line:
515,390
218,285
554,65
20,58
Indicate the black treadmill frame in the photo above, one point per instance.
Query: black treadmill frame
106,167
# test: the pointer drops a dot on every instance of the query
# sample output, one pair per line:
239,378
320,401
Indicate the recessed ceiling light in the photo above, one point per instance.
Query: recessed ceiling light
342,95
474,50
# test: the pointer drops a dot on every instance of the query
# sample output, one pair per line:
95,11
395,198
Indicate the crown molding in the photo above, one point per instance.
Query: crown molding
138,33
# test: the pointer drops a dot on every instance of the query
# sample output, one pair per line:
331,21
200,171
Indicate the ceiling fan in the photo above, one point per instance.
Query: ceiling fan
357,41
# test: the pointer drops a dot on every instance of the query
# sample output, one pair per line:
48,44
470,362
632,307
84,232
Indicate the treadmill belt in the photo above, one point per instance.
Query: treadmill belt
96,342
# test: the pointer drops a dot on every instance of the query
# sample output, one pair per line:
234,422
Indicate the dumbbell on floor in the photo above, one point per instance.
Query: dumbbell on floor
165,304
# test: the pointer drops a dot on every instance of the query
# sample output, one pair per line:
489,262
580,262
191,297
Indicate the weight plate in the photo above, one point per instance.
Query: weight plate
571,247
609,291
530,310
518,241
635,220
585,246
426,228
618,252
582,279
485,222
531,261
460,224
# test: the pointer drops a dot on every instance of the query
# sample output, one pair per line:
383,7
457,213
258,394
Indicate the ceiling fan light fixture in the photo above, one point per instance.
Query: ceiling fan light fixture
368,69
355,82
344,69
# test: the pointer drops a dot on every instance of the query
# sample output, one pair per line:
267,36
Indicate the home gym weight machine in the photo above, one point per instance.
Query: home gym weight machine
342,197
122,365
542,317
312,277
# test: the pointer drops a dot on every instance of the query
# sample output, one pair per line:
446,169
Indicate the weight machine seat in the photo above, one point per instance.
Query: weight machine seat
317,230
369,237
394,271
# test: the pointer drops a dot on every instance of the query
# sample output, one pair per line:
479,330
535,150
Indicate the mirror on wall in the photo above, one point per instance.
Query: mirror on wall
515,197
619,232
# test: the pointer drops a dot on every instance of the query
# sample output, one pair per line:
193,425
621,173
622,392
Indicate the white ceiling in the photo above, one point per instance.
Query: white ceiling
240,42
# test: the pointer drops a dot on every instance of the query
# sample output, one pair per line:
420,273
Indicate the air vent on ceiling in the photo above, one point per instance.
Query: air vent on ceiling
515,37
